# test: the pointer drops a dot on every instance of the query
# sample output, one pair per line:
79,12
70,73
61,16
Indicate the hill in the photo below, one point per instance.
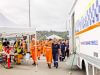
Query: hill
41,35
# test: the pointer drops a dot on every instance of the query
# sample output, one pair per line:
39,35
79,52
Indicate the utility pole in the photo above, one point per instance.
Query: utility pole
35,33
29,15
29,22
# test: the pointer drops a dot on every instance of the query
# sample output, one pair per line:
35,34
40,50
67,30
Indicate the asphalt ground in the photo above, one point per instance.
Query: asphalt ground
42,69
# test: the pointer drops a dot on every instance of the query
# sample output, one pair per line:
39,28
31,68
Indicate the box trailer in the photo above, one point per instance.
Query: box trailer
83,25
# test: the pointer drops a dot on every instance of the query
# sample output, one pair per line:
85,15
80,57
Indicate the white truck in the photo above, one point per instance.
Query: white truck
83,25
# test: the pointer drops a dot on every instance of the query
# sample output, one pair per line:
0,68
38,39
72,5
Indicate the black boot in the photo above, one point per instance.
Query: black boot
34,64
56,65
49,66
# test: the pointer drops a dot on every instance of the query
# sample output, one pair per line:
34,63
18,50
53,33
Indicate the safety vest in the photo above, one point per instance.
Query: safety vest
16,45
19,50
1,47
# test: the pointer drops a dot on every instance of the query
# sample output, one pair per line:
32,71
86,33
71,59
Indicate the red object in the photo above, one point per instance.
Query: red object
7,50
9,63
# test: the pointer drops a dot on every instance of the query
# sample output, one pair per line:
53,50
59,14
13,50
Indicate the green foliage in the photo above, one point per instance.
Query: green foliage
41,35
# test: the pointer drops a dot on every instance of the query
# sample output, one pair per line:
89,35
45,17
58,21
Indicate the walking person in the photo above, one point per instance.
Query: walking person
63,46
67,48
33,50
55,52
48,51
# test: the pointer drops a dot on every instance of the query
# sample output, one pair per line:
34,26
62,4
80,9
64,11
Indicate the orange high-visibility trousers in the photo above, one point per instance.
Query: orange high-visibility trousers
49,55
33,52
44,50
34,55
19,57
39,51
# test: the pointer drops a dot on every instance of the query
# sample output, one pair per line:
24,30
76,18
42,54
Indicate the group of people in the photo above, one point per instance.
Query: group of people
53,49
16,48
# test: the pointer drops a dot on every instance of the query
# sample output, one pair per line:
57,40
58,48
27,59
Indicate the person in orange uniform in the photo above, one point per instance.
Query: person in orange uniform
33,48
44,47
39,49
48,50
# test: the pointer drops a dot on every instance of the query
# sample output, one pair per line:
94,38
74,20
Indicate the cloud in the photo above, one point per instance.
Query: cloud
45,14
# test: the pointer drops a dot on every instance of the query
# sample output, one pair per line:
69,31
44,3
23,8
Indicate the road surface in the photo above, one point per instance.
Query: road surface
42,69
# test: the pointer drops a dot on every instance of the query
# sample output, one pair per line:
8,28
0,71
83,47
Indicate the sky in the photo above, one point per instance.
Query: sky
45,14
